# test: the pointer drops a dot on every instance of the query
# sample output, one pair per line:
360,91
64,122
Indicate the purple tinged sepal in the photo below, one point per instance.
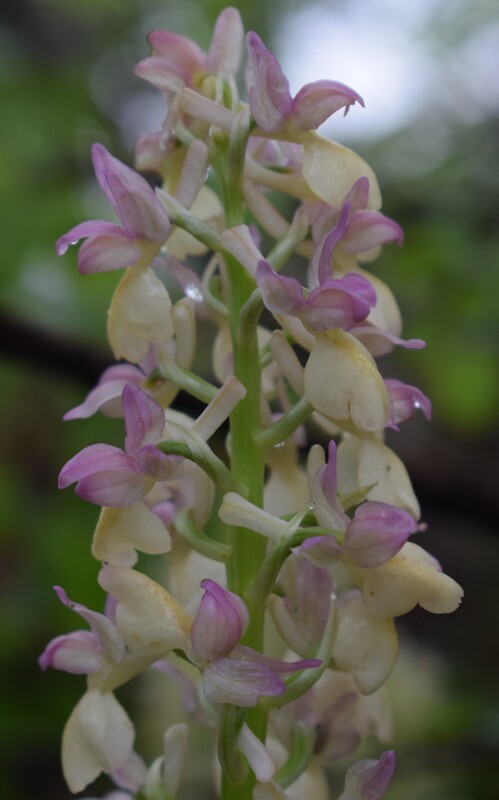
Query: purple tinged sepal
144,418
377,532
321,550
369,779
405,400
240,683
106,396
108,476
144,221
103,628
336,303
104,475
221,620
79,652
270,100
247,676
319,100
177,61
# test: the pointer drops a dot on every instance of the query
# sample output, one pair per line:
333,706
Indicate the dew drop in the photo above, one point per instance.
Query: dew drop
194,292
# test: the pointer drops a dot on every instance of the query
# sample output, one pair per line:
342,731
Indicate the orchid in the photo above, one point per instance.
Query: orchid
108,476
233,673
270,100
145,223
245,522
375,533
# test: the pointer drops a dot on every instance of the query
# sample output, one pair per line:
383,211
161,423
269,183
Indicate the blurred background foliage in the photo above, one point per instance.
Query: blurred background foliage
66,81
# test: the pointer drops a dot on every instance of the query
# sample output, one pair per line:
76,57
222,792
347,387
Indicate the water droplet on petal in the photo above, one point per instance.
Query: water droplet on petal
311,506
194,292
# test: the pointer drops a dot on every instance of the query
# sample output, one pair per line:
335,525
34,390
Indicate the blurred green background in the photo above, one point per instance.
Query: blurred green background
428,73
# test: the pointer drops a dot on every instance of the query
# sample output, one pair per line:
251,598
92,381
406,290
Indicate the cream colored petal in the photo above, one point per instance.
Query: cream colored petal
408,579
220,407
187,568
257,755
150,620
312,782
140,314
175,747
269,791
342,382
235,510
362,463
98,737
364,645
286,490
287,361
331,170
120,532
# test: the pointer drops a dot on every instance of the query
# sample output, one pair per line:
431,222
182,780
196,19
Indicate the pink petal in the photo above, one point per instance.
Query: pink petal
313,599
162,73
109,389
328,480
339,303
227,42
79,652
369,779
376,533
379,342
144,418
322,550
268,88
105,253
358,195
281,294
369,229
323,256
182,52
221,620
156,464
94,227
240,683
317,101
139,210
106,167
95,458
114,489
275,665
405,399
103,628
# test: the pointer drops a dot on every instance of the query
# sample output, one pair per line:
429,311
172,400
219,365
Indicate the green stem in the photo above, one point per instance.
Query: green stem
198,540
204,456
288,423
247,456
187,380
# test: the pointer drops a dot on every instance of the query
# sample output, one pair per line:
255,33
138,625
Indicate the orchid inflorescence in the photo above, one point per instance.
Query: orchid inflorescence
315,545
